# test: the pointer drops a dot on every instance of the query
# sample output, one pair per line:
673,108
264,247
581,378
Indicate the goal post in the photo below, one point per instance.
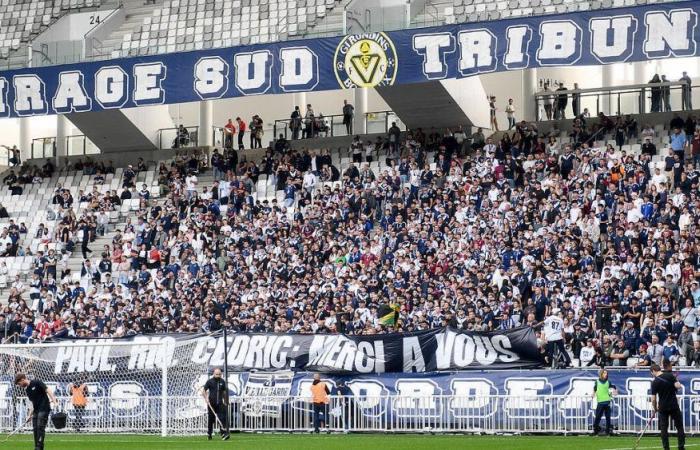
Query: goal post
145,385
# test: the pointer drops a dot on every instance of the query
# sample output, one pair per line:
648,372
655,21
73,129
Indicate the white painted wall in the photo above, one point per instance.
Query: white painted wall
39,127
72,27
273,107
150,119
470,95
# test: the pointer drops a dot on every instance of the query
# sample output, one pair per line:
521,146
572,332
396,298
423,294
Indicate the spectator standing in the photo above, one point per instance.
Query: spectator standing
256,132
665,94
655,350
547,99
241,132
348,116
510,114
492,112
229,131
562,101
655,93
295,123
686,343
576,101
13,156
695,148
309,120
678,143
686,92
394,135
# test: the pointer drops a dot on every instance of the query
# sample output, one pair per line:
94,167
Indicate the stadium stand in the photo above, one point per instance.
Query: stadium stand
21,21
195,24
457,230
458,11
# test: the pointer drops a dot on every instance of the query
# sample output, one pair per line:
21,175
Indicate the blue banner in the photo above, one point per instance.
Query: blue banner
366,60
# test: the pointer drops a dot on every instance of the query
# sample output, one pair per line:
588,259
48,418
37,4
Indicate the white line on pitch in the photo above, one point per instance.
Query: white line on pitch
647,448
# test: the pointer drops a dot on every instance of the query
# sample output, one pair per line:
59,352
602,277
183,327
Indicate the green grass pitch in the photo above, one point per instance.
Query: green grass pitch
281,441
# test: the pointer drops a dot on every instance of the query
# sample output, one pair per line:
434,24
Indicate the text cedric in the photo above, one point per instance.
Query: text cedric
332,353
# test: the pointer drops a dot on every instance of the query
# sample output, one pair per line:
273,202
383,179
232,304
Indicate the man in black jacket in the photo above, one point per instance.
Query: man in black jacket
215,393
42,398
648,147
664,399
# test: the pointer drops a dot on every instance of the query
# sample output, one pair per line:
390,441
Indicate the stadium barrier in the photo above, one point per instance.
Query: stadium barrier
555,414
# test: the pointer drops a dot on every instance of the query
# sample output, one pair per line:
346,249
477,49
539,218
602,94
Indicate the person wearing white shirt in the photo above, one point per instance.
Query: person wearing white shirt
490,147
553,330
190,185
587,353
309,182
659,180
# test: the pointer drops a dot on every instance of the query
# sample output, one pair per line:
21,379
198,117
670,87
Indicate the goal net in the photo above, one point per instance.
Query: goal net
147,385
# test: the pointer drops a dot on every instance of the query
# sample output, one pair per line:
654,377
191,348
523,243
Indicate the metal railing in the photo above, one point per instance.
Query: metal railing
333,126
380,121
43,147
325,126
168,138
629,99
552,414
80,144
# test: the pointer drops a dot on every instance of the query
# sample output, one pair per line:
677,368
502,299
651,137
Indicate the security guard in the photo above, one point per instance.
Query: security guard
602,393
320,399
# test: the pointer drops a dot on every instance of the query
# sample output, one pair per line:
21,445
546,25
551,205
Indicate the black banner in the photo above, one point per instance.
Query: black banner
444,349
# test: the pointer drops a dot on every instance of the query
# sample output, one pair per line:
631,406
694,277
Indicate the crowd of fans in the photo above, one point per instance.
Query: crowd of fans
482,235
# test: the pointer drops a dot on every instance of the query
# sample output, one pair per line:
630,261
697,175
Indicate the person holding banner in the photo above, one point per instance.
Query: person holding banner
215,394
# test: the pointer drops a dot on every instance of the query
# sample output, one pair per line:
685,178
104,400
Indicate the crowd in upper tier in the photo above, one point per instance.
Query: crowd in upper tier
453,230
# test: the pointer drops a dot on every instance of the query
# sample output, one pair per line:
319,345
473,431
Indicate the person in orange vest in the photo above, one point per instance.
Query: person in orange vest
78,397
320,399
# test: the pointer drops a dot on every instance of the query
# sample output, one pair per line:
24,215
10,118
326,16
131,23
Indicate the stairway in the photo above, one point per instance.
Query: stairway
136,11
329,25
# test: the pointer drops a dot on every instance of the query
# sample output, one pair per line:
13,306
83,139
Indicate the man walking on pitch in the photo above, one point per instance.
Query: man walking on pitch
665,402
215,393
602,393
42,399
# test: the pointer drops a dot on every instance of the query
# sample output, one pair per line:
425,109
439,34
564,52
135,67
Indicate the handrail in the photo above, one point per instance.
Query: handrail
114,11
629,88
191,142
627,99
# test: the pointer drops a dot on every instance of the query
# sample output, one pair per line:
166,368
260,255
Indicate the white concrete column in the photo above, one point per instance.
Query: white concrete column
62,127
206,123
360,104
298,99
641,76
608,104
25,137
528,109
